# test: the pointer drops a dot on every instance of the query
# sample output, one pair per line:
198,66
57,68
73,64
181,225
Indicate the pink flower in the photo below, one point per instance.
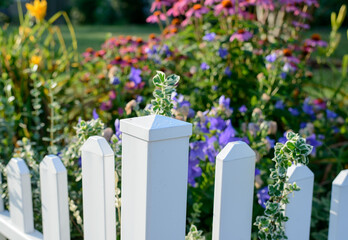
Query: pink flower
241,35
289,57
226,6
300,25
315,41
157,4
179,8
266,4
156,17
210,2
197,11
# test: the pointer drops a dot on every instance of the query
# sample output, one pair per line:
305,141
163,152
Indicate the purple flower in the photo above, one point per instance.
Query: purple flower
283,75
134,75
283,139
330,114
315,41
216,123
139,99
271,142
228,135
243,109
312,140
294,111
223,101
117,128
204,66
228,71
105,106
257,171
209,37
308,109
194,171
263,197
241,35
223,52
279,104
95,114
271,58
115,81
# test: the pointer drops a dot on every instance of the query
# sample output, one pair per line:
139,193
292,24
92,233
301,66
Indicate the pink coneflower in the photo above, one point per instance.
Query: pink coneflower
197,11
210,2
179,8
289,57
157,4
246,3
226,6
156,17
300,25
241,35
315,41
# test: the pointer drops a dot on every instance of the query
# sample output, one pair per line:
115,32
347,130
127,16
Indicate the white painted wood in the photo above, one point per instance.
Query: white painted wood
19,188
1,200
10,230
98,187
54,196
234,187
300,207
1,205
338,227
154,178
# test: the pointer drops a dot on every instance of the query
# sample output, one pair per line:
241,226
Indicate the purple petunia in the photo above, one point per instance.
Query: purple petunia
95,114
271,57
330,114
243,109
204,66
134,75
209,37
228,71
279,104
222,52
294,111
263,196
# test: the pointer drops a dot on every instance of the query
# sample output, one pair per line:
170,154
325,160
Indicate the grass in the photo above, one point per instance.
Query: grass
93,36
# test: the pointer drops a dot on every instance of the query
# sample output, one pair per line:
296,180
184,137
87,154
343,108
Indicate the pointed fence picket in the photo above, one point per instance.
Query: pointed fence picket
154,190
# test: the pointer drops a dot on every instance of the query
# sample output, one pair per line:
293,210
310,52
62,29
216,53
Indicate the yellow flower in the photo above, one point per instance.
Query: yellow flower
35,60
37,9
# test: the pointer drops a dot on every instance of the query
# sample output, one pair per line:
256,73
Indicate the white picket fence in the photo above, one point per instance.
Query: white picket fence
154,190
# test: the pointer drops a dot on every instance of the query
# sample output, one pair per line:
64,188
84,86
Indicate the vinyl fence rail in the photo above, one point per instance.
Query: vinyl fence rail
154,190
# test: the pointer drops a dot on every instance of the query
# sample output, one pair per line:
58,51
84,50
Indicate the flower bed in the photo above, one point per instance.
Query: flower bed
243,70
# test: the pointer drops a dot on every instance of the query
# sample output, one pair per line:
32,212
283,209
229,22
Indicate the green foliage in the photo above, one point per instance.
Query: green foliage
294,151
165,86
194,234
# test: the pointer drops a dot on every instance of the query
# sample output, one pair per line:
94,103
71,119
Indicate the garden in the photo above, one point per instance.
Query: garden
247,70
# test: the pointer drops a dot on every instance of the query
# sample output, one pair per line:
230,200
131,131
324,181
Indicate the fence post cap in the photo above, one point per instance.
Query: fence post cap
18,165
342,179
299,172
52,163
97,145
235,151
155,127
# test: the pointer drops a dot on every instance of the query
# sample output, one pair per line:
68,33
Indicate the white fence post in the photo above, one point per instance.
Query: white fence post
234,187
300,207
54,196
154,177
98,187
1,205
338,227
19,188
